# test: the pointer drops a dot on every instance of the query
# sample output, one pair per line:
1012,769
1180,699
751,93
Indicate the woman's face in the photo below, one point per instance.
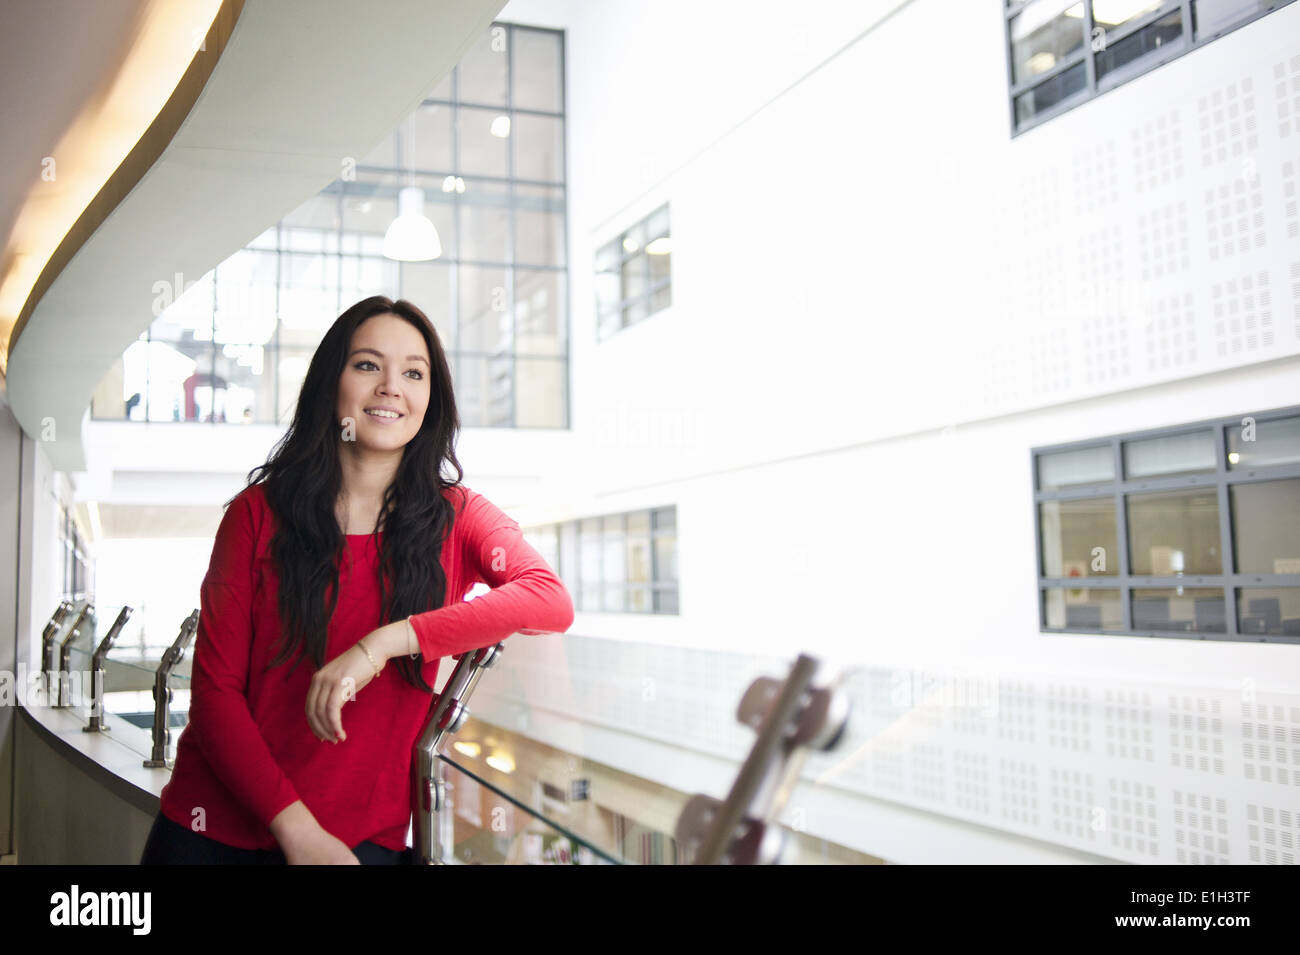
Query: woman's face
387,368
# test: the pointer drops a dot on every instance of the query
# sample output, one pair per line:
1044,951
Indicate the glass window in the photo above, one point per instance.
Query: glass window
589,539
498,287
485,325
483,388
1111,14
309,297
291,370
1179,610
484,142
1086,608
539,226
546,541
539,392
426,140
1180,533
540,324
633,274
1266,526
539,147
1078,538
614,563
618,563
485,223
1044,34
537,71
1191,453
1175,532
428,286
665,546
1051,92
1265,443
245,299
569,557
1160,37
1128,38
639,569
1272,612
1215,16
482,71
1075,468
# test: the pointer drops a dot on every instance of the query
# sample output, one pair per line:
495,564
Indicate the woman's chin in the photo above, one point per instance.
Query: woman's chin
381,443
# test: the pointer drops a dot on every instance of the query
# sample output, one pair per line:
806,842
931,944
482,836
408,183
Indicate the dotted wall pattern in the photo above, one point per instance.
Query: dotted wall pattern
1286,90
1229,128
1148,244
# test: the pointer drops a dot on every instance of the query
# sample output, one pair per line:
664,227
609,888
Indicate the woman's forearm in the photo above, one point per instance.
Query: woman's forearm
293,820
394,639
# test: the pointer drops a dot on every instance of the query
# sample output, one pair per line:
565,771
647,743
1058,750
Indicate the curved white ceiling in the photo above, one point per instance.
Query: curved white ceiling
301,86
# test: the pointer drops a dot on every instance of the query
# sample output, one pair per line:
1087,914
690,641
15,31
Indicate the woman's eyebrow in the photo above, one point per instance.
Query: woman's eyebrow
381,355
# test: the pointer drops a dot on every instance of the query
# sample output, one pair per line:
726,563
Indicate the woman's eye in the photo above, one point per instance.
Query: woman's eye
367,361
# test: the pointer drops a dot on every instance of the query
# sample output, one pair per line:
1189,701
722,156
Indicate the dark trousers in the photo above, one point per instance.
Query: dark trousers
170,843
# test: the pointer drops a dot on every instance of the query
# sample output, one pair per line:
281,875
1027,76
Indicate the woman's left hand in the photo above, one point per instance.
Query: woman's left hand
337,682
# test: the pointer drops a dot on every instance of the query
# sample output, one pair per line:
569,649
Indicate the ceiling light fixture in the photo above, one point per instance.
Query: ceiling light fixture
411,237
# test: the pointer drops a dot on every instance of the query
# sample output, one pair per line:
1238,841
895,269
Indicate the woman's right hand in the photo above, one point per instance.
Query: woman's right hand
318,847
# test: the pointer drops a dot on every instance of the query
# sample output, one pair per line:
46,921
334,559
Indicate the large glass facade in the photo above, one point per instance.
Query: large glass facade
487,148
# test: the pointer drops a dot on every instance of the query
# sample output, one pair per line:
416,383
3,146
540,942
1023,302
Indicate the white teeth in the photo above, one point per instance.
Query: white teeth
384,414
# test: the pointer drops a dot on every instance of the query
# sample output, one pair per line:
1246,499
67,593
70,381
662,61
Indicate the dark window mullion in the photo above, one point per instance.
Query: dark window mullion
1121,527
1227,557
1089,54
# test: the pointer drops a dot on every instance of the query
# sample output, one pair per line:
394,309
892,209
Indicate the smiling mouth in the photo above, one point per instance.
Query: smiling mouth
385,415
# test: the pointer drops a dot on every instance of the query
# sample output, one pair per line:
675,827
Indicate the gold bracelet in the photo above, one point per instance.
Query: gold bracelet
414,639
377,667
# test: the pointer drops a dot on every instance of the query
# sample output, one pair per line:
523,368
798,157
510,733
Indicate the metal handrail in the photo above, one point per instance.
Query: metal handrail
447,714
162,693
97,723
52,630
791,717
87,609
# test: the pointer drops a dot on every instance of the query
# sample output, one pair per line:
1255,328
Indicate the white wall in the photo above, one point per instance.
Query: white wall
863,259
862,256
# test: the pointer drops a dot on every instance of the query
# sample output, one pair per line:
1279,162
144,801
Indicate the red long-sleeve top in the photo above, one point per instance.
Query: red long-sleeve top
248,751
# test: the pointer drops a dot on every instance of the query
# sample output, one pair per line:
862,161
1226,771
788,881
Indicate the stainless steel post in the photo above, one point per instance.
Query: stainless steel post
447,714
97,673
65,651
162,693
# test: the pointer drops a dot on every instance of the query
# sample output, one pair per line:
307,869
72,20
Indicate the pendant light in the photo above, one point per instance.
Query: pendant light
411,237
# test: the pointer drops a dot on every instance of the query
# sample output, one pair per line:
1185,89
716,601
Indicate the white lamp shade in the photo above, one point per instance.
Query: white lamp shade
411,237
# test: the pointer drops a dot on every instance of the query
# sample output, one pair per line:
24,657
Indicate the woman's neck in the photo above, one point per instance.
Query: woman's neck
364,481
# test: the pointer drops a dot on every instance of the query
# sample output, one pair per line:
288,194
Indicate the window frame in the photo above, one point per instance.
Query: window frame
488,381
1229,581
573,575
1094,87
652,286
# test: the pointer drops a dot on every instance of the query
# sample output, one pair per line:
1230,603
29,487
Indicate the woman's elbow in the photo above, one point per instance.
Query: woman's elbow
564,610
558,615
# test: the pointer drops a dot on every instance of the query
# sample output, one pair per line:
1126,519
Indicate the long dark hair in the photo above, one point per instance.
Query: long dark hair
303,477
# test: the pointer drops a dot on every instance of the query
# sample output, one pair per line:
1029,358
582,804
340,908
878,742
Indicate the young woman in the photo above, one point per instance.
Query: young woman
352,551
